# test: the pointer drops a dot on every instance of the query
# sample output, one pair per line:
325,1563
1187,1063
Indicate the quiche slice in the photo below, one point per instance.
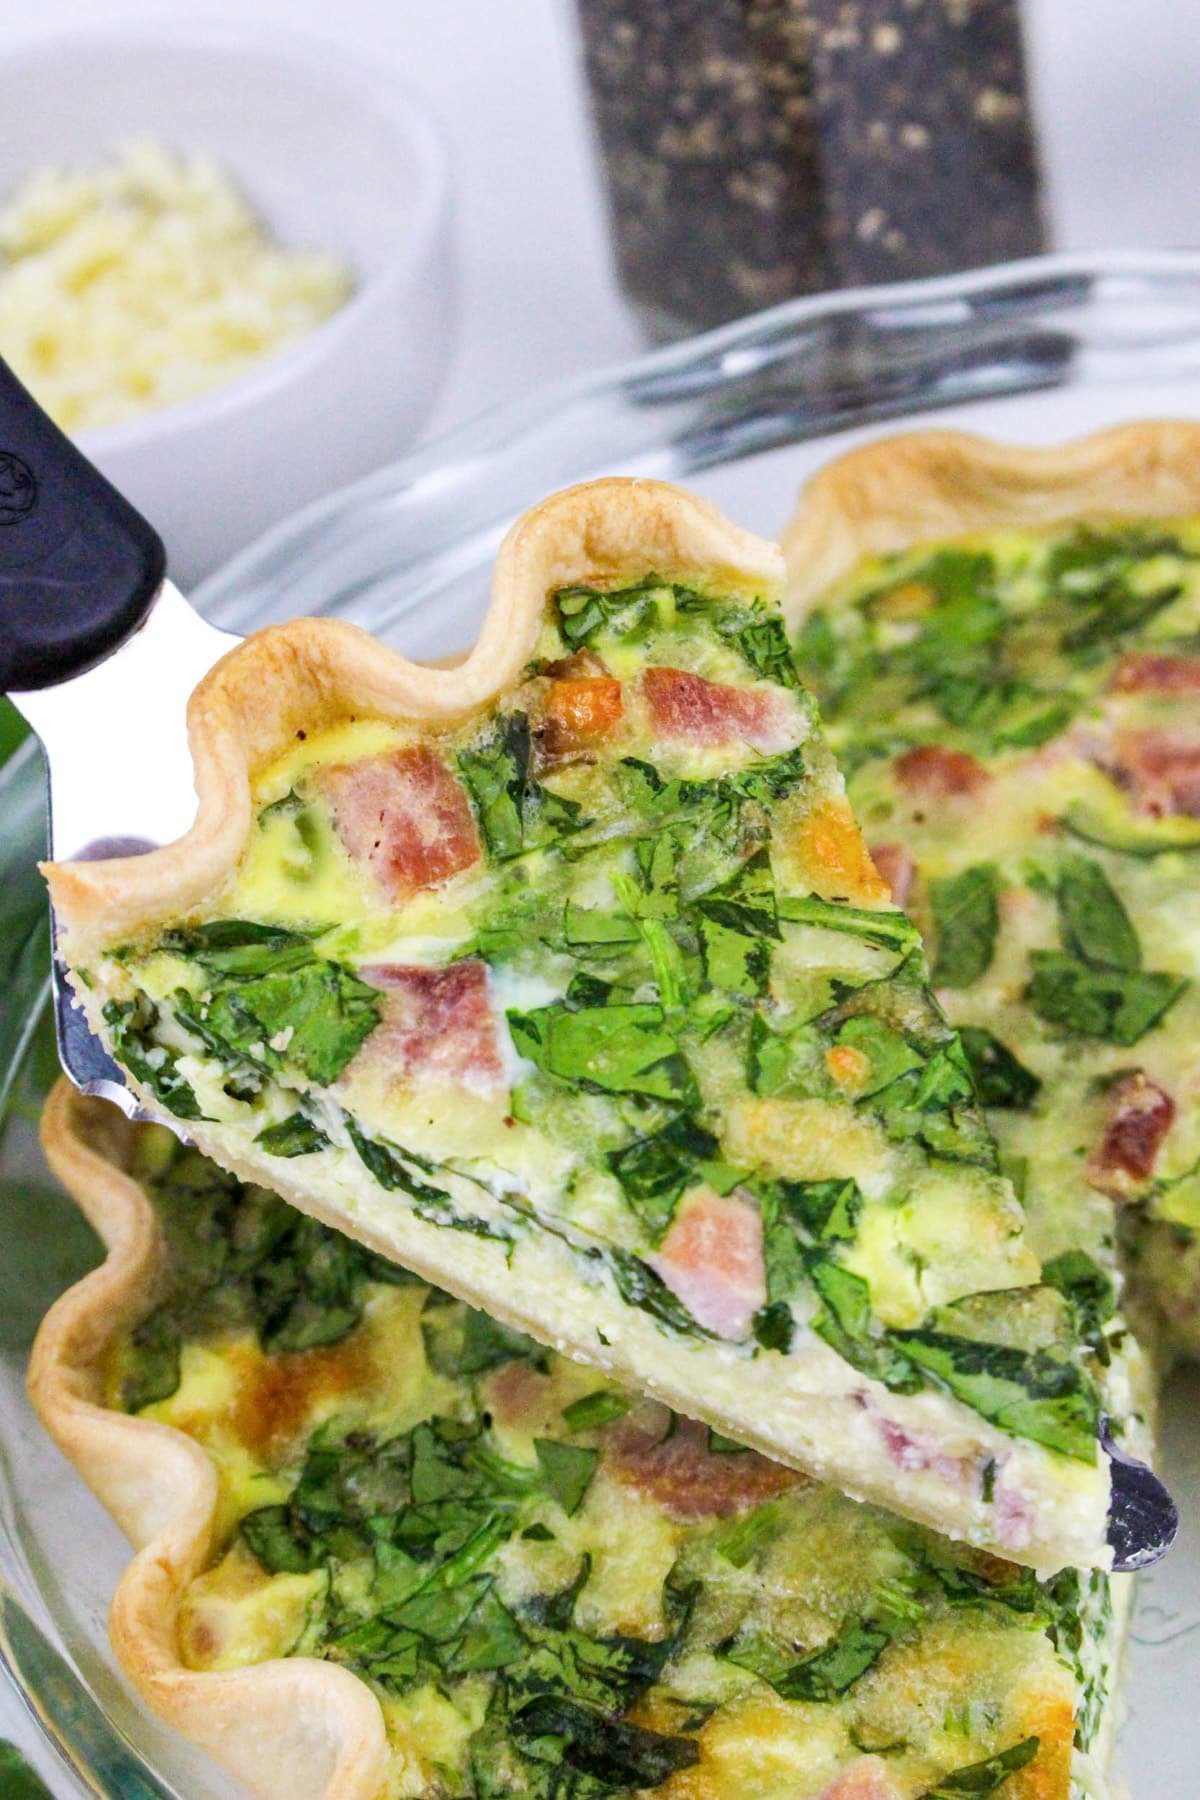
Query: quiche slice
388,1547
1006,645
564,979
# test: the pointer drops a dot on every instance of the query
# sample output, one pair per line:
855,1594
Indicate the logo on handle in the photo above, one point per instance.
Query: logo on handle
18,489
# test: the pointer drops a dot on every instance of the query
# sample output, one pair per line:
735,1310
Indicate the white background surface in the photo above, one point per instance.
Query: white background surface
1116,83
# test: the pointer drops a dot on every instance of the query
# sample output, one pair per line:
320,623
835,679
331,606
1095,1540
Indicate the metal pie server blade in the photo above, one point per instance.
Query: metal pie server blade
115,741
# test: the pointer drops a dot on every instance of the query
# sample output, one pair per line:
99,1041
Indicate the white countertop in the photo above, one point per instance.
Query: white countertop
1115,85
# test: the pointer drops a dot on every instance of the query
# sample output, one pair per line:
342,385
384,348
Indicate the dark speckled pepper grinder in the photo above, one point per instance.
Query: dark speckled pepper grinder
756,149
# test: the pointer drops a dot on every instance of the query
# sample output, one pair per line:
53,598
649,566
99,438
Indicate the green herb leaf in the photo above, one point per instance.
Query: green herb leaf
281,1545
593,1410
639,1286
132,1024
618,1049
294,1136
555,1730
826,1674
967,921
654,1171
515,814
567,1469
890,930
241,947
1040,1395
1094,922
1001,1080
1089,1288
985,1777
585,612
848,1325
1083,1001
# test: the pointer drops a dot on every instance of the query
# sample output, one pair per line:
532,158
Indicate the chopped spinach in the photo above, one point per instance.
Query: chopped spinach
654,1171
567,1470
1081,1000
639,1286
593,1410
240,947
848,1325
616,1756
1089,1288
985,1777
514,812
294,1136
1001,1079
585,612
825,1675
461,1341
1095,925
624,1048
132,1024
889,930
737,919
967,920
271,1000
1041,1395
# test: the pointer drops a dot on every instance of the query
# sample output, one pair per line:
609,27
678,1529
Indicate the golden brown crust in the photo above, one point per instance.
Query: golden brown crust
298,1729
315,672
919,486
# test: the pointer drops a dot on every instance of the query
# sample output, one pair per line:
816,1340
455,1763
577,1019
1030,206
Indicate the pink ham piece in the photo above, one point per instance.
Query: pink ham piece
1143,672
405,816
1161,769
865,1779
668,1460
1139,1116
689,709
712,1259
896,866
437,1026
932,772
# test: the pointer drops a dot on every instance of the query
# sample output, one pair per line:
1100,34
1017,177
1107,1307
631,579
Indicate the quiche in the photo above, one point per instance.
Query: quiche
1007,653
563,978
389,1547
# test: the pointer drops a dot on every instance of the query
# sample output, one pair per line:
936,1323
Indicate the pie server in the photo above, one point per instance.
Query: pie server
101,652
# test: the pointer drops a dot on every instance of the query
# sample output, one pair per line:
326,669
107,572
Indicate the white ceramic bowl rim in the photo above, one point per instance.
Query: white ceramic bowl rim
403,106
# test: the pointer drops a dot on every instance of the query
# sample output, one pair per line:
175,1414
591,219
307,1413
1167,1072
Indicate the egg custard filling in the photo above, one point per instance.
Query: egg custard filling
592,1006
552,1586
1018,716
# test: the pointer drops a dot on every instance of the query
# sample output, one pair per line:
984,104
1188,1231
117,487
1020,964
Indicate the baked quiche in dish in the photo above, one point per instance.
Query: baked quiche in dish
389,1547
563,978
1006,648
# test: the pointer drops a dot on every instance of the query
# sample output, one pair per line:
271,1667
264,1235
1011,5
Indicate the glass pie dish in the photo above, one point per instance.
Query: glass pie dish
1034,352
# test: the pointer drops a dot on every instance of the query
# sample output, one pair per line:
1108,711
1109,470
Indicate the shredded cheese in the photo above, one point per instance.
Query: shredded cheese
145,280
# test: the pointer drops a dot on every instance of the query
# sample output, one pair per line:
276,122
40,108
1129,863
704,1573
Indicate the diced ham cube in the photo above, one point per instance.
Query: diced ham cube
1144,672
896,865
1139,1116
933,772
580,711
518,1394
866,1778
405,816
712,1259
676,1468
688,709
1161,769
437,1026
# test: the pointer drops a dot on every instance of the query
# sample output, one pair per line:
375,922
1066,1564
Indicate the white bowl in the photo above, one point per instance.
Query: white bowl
337,157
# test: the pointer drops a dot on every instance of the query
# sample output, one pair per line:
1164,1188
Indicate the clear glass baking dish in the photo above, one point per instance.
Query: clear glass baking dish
1035,352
